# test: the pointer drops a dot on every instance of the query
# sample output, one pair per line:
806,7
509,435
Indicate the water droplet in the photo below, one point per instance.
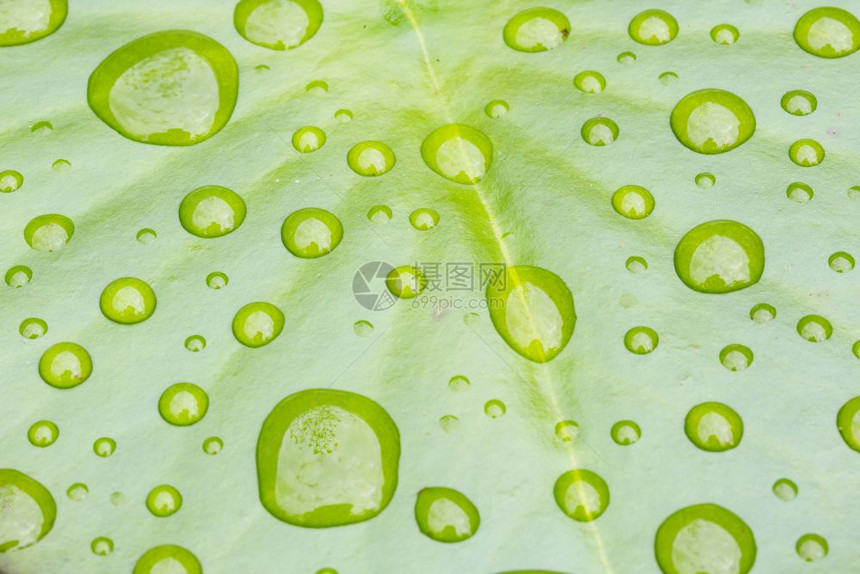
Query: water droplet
855,348
43,127
532,309
183,404
311,232
653,28
799,102
10,180
175,87
641,340
762,313
23,21
363,328
370,158
705,180
28,511
212,211
799,192
101,546
495,408
668,78
841,262
848,423
714,427
496,109
343,116
213,445
633,202
405,282
163,500
806,153
61,165
195,343
446,515
705,538
785,489
33,328
814,328
536,30
18,276
625,432
78,491
117,498
589,82
458,153
379,214
317,88
104,447
257,324
278,24
327,458
423,219
65,365
566,431
168,558
43,433
127,301
811,547
449,423
725,34
636,264
308,139
828,32
326,571
626,58
146,235
719,257
712,121
736,357
217,280
599,131
49,232
581,494
459,384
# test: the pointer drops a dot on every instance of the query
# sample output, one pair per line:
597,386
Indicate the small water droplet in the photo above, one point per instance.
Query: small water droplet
65,365
258,324
712,121
33,328
714,427
799,102
668,78
626,58
43,433
828,32
423,219
449,423
278,24
496,109
127,301
599,131
785,489
566,431
458,153
117,498
636,264
104,447
308,139
736,357
495,408
814,328
217,280
370,158
311,232
101,546
379,214
536,30
10,180
625,432
581,494
811,547
168,558
725,34
28,510
799,192
212,211
633,202
183,404
261,68
762,313
719,257
195,343
18,276
459,384
589,82
61,165
641,340
43,127
317,88
78,491
653,28
49,232
213,445
446,515
146,235
163,500
406,282
705,180
841,262
806,153
343,116
24,22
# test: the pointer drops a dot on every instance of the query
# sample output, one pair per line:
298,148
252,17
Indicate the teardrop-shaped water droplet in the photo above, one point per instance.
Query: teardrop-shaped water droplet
828,32
278,24
712,121
212,211
127,301
458,153
258,324
719,257
65,365
566,431
581,494
27,510
168,559
363,328
449,423
25,21
49,232
446,515
653,27
183,404
714,427
311,232
536,30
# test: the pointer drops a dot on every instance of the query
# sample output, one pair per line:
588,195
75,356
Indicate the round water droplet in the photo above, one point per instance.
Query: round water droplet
65,365
636,264
841,262
653,28
536,30
806,153
668,78
33,328
496,109
10,180
25,21
719,257
343,116
308,139
104,447
828,32
725,34
212,211
278,24
458,153
317,88
811,547
633,202
799,102
736,357
785,489
370,158
449,423
27,512
61,165
714,427
712,121
146,235
423,219
127,301
848,423
101,546
43,433
175,87
311,232
599,131
799,192
625,432
581,494
49,232
257,324
532,309
379,214
163,500
18,276
566,431
446,515
626,58
217,280
495,408
363,328
589,82
641,340
814,328
704,538
327,458
705,180
195,343
183,404
459,384
77,491
213,445
762,313
405,282
168,559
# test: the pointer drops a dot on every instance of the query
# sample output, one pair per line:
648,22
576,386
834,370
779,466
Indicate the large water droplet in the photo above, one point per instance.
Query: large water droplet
65,365
168,559
625,432
532,309
712,121
446,515
599,131
49,232
589,82
653,28
581,494
785,489
257,324
175,87
308,139
163,501
633,202
536,30
27,510
212,211
183,404
311,232
814,328
811,547
719,257
10,180
127,301
806,153
25,21
370,158
714,427
327,458
278,24
43,433
799,102
459,153
641,340
736,357
828,32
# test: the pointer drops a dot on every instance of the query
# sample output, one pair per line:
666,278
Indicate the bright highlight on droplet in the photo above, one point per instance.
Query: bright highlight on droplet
25,21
